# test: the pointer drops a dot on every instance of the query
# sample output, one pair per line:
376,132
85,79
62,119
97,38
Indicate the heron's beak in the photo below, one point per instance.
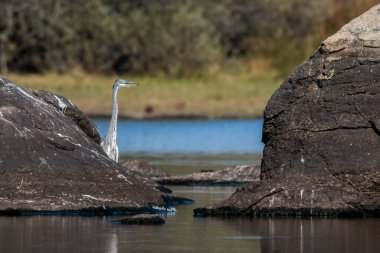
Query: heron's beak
127,83
133,84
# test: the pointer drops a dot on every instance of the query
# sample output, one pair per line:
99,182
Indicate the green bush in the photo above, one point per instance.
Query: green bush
164,36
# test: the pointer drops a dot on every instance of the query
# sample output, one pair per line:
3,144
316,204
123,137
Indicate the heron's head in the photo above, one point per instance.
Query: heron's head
124,83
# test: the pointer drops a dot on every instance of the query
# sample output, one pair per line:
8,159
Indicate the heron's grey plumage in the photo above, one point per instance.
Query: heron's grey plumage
109,144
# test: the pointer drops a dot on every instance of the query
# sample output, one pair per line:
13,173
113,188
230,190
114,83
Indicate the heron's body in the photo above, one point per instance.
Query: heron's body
109,144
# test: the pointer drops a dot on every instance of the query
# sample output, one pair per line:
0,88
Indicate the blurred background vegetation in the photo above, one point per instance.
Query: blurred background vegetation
215,44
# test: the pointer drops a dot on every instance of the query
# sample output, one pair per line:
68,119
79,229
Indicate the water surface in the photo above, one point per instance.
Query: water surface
180,147
190,137
185,146
184,233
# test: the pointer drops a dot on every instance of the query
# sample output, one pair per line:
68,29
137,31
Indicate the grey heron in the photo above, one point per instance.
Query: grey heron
109,144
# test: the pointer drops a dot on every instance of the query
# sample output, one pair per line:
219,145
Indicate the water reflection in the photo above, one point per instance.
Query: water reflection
184,233
312,235
48,234
112,243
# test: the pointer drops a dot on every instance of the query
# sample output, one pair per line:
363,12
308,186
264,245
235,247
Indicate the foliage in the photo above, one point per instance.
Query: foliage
164,36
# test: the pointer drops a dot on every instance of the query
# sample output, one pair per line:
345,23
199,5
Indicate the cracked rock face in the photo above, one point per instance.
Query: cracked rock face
50,160
322,133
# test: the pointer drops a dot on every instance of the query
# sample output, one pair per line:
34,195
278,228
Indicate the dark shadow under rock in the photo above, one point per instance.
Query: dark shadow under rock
141,219
171,200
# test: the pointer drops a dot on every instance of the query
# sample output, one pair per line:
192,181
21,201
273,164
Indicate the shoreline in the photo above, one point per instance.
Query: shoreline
223,95
170,116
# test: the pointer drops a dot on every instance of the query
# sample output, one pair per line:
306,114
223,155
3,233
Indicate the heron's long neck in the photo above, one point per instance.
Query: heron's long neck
111,135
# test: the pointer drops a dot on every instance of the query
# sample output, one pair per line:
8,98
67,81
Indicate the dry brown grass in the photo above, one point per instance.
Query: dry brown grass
218,94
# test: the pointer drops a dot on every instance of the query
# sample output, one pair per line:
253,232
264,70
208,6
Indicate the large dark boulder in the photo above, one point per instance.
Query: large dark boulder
322,133
50,160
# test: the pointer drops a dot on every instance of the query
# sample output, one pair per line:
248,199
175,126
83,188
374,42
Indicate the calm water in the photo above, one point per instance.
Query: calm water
184,233
200,145
190,137
184,146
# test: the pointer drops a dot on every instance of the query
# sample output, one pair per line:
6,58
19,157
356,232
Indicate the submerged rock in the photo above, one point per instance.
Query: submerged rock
50,160
322,134
237,175
141,219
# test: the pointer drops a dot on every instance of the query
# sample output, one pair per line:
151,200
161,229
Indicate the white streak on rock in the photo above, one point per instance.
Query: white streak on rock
43,162
45,107
165,209
28,95
22,181
13,125
89,197
273,190
120,176
61,104
271,201
69,139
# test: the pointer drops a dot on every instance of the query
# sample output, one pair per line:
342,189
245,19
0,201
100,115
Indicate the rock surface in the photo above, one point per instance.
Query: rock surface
146,172
141,219
50,160
144,168
237,175
322,133
149,174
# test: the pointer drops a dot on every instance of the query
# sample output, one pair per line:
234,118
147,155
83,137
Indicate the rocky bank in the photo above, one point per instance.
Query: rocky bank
237,175
322,134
